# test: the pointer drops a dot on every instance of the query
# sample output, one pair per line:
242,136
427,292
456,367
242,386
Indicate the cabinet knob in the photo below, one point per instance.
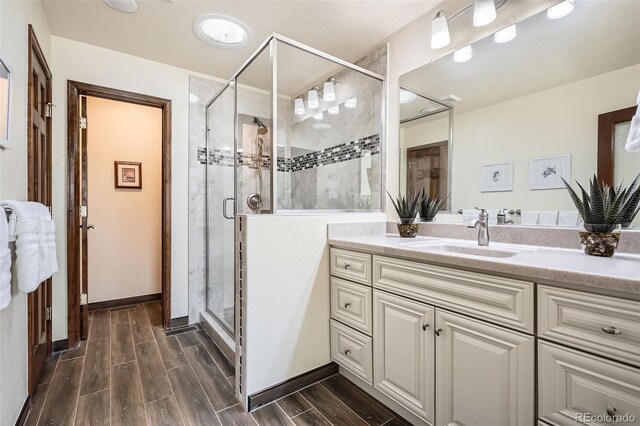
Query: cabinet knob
347,266
346,305
347,352
611,410
438,331
611,330
425,326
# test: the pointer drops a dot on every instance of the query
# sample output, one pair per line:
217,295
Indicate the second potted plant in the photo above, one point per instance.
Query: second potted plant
429,207
407,210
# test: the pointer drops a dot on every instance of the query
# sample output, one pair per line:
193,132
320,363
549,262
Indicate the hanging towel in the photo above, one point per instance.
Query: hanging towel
529,217
633,140
5,264
36,258
548,218
568,218
469,214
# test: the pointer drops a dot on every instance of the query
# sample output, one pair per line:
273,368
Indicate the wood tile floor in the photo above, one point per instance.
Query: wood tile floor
129,372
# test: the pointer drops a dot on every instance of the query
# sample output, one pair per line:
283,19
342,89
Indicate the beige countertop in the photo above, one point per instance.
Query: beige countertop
618,274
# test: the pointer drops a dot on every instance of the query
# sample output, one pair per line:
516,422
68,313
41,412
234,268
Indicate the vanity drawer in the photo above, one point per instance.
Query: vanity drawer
570,382
603,325
351,265
351,304
504,301
352,350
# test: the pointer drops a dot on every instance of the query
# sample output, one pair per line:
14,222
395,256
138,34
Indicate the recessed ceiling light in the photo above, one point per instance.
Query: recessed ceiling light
450,98
127,6
463,55
426,110
221,30
560,10
406,96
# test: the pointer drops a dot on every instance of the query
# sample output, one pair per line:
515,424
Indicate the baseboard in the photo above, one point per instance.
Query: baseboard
26,407
292,385
60,345
108,304
180,321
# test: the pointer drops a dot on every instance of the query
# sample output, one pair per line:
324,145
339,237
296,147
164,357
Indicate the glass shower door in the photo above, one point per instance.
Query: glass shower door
220,181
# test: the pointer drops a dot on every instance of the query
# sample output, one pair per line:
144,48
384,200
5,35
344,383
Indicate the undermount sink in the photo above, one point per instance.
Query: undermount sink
468,247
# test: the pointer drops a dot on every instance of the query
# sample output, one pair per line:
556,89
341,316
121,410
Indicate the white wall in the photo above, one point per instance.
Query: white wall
125,248
287,290
14,18
560,120
90,64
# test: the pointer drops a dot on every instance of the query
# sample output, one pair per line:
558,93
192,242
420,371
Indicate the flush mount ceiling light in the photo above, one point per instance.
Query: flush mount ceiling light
351,103
440,31
484,12
463,55
328,90
221,30
298,106
127,6
506,35
406,96
560,10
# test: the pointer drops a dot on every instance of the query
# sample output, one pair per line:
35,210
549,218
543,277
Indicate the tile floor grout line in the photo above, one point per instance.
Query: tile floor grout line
300,413
209,353
316,408
47,393
135,358
342,402
200,383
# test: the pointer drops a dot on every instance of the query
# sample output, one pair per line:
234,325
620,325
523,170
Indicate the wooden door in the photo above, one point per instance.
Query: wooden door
427,168
39,190
84,239
403,347
484,374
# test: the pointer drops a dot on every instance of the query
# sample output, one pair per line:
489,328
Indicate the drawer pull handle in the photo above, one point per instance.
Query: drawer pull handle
611,410
346,305
425,326
438,331
347,352
347,266
611,330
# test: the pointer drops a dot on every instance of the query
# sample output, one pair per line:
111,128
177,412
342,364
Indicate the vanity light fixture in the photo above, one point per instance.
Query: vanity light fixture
312,98
463,55
298,106
221,30
126,6
440,31
351,103
328,90
406,96
561,10
334,110
318,115
505,35
484,12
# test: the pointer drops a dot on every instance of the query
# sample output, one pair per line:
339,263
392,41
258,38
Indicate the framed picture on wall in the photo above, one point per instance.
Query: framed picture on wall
5,92
548,172
128,175
496,177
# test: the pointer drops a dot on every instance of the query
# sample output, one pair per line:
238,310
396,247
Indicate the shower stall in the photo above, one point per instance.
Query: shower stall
295,131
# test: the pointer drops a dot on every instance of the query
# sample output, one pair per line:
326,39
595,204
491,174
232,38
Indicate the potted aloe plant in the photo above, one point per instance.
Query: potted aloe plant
429,207
603,209
407,210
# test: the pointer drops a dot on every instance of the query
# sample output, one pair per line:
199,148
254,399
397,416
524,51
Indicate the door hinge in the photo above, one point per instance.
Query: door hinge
83,211
83,122
48,110
48,313
83,299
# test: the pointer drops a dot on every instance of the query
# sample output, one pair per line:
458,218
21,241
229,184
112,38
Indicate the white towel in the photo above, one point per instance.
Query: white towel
568,217
36,258
529,217
548,218
493,216
5,264
469,214
633,140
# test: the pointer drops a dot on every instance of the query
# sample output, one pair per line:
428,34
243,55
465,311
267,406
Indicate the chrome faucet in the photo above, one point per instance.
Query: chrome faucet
483,223
502,217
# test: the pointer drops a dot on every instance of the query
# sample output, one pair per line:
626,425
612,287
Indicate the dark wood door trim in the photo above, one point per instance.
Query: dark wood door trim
76,89
606,128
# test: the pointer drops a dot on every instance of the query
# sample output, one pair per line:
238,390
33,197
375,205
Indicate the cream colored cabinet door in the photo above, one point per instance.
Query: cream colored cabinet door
484,374
403,352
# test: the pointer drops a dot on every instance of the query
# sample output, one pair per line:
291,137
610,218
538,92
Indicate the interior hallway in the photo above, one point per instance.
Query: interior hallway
130,372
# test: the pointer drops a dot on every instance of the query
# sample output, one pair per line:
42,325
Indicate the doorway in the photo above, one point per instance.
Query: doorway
119,203
427,168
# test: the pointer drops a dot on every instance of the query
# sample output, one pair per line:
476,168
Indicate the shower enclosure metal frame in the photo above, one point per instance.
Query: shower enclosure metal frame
272,43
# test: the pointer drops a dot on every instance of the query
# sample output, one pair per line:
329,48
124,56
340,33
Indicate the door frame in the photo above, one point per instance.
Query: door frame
75,89
606,128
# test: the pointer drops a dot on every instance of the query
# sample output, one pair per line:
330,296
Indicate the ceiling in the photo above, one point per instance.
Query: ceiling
161,30
597,37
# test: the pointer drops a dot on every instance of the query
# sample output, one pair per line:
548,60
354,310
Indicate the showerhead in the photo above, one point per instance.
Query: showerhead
262,129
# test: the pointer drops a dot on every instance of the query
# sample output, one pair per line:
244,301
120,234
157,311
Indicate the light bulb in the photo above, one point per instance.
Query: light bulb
484,12
334,110
312,99
298,106
440,31
318,115
328,92
351,103
560,10
506,35
463,54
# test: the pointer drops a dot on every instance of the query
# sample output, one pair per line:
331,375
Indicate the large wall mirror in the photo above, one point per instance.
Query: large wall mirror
497,125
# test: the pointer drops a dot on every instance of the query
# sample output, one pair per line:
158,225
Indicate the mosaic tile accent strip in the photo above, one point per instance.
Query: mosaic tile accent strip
332,155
